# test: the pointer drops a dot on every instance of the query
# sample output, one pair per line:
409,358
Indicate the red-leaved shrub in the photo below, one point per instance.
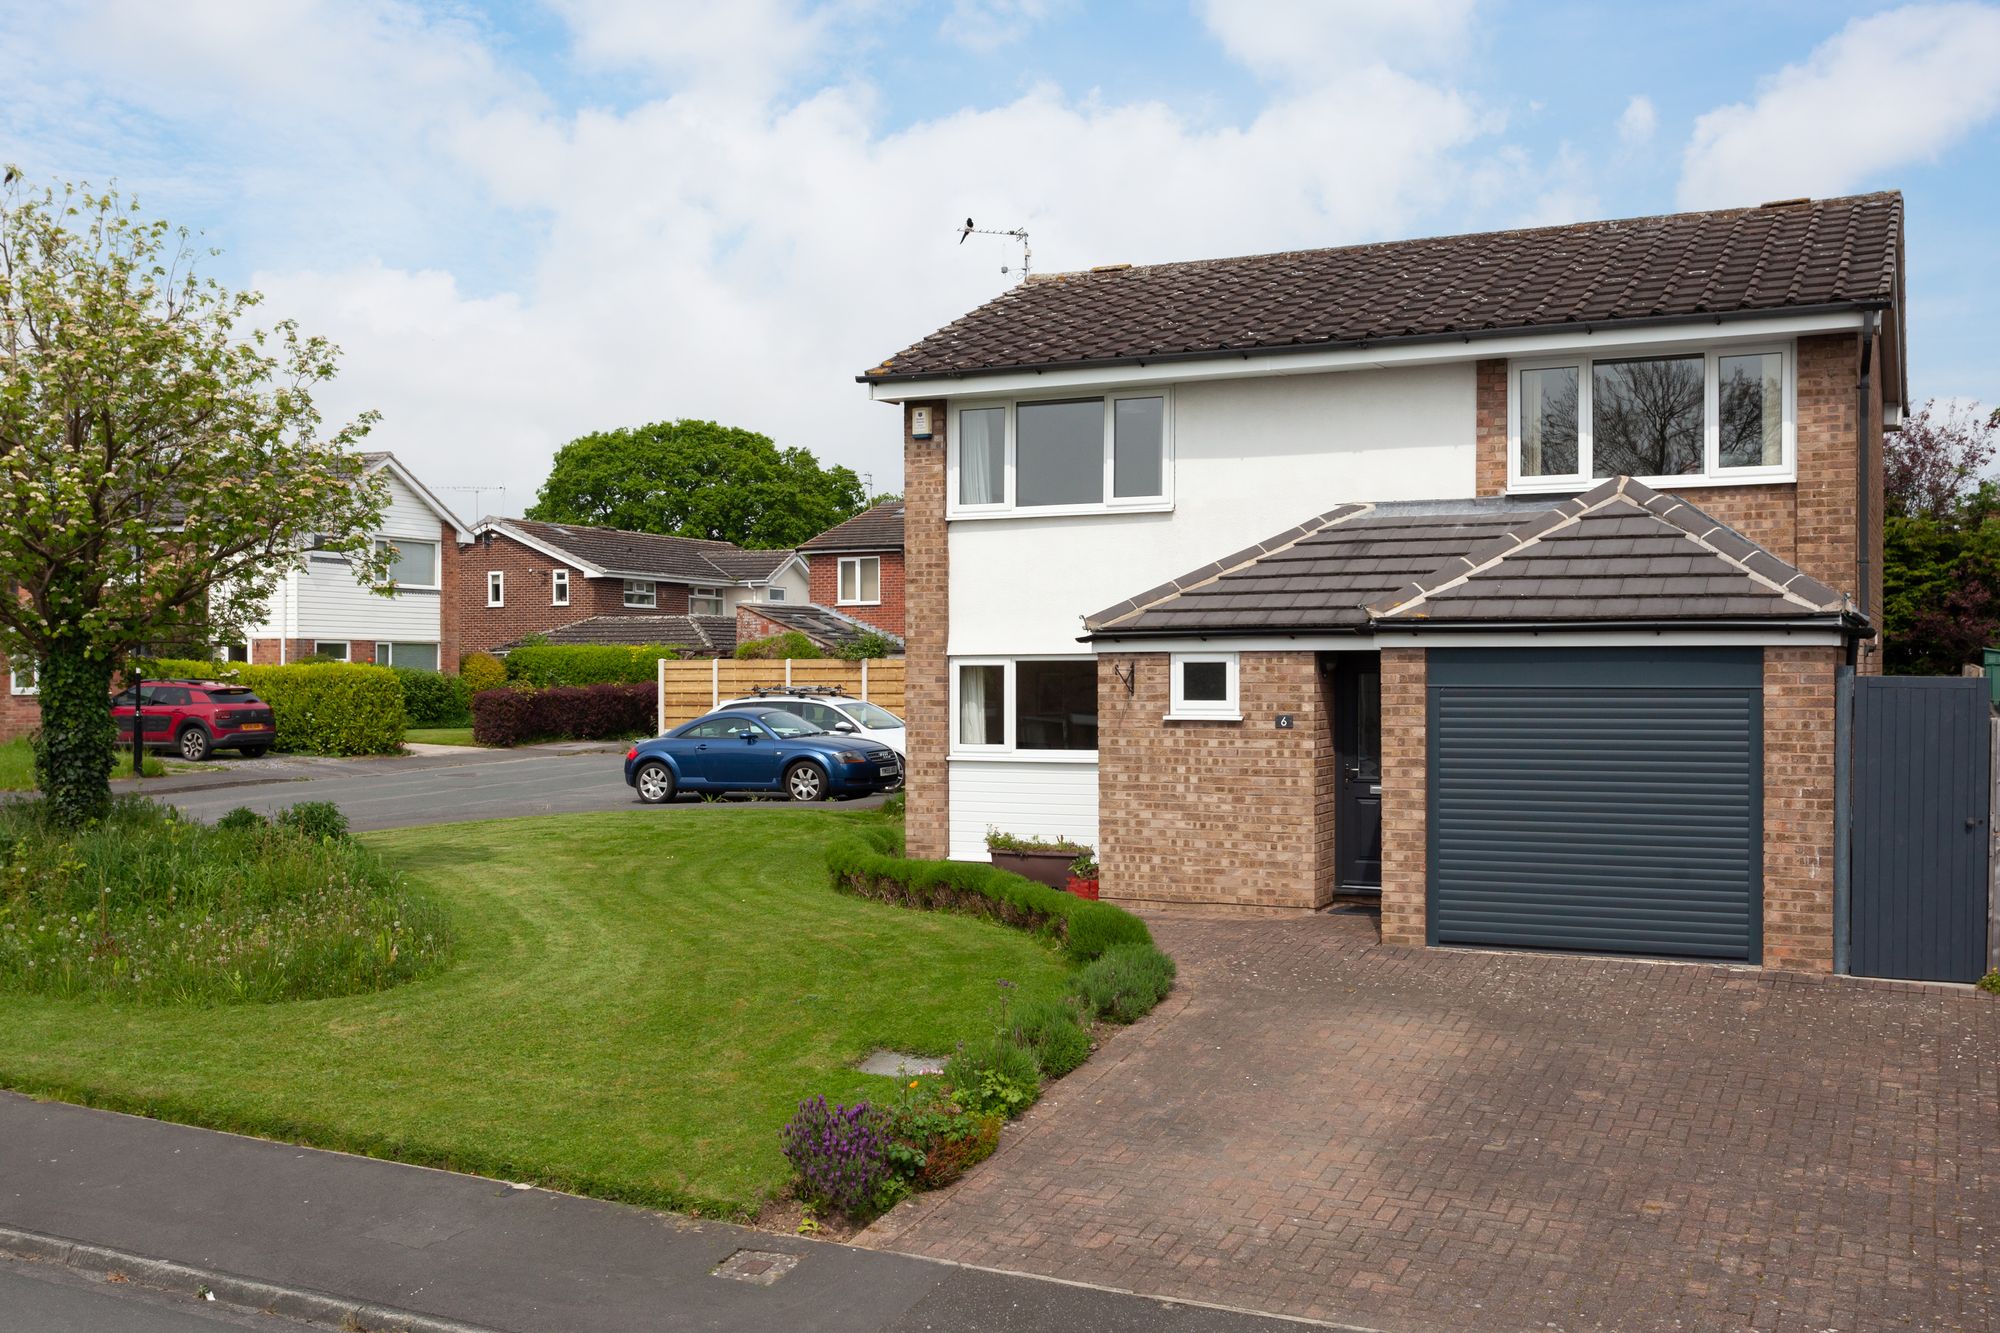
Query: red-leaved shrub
512,716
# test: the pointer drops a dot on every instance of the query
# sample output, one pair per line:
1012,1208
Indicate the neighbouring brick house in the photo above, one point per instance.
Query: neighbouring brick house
1505,576
578,584
857,566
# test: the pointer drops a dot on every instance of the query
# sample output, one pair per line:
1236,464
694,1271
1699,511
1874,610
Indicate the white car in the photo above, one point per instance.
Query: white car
836,713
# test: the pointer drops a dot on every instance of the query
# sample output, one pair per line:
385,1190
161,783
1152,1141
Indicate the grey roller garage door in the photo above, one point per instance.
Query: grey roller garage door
1599,800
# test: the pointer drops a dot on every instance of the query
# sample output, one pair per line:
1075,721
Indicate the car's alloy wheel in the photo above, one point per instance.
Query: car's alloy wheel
805,783
655,782
194,745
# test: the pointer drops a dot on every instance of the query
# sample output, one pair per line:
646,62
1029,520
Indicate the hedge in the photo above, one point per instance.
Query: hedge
320,708
790,644
433,699
513,715
868,865
588,664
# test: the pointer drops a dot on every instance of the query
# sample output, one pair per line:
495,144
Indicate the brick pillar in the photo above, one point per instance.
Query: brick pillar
927,700
1798,807
1405,806
449,609
1489,452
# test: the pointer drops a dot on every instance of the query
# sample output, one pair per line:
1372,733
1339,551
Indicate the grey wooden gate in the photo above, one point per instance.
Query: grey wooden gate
1921,777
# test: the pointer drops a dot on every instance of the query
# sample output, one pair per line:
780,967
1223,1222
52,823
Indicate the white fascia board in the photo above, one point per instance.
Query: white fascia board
423,492
1522,638
1384,355
772,577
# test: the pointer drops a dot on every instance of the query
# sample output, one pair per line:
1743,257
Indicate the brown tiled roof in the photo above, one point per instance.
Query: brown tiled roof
1805,253
877,529
749,566
823,625
695,636
651,555
1621,553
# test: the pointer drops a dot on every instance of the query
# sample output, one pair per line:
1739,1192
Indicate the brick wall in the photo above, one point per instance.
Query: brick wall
278,652
1405,803
450,614
823,578
1489,455
1798,807
927,704
529,610
19,713
1215,813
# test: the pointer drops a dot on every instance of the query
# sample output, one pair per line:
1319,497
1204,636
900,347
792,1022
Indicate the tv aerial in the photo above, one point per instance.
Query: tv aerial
1017,233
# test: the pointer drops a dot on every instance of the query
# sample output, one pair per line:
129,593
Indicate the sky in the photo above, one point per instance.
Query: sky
525,220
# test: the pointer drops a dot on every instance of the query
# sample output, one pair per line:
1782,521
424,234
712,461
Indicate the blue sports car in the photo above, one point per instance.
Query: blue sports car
751,748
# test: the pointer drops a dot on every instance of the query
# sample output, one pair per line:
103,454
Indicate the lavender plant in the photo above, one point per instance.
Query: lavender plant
840,1156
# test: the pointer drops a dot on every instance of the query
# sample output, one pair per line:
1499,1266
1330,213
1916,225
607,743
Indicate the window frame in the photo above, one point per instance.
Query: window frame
16,688
708,595
1009,748
1712,472
559,587
1110,503
1229,708
496,587
631,589
319,647
437,560
388,658
840,581
774,593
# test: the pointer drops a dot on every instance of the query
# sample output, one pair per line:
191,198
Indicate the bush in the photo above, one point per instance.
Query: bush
790,644
514,716
1052,1031
840,1157
319,708
993,1076
318,820
144,906
1126,982
242,820
1990,983
588,664
936,1139
432,699
481,671
863,864
868,645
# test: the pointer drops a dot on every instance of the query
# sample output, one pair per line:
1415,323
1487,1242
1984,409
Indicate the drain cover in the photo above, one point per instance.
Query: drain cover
762,1267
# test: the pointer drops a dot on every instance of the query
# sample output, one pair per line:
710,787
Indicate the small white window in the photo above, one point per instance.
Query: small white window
559,588
861,580
704,601
774,593
23,680
333,648
1205,688
496,588
641,592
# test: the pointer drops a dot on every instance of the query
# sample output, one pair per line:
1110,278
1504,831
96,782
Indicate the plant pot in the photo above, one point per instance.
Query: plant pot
1050,868
1083,888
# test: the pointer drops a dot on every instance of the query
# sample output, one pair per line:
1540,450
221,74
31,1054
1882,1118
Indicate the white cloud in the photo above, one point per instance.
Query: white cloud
1638,121
1895,88
740,49
1319,41
987,25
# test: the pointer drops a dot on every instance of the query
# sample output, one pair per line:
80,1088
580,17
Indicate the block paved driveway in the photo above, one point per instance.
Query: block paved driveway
1318,1125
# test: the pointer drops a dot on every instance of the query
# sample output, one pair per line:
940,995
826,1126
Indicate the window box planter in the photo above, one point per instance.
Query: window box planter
1050,868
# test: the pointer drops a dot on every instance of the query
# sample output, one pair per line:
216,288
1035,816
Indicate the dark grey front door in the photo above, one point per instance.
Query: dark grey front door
1357,743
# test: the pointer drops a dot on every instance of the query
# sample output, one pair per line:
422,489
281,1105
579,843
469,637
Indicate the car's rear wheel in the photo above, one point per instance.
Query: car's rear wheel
655,782
805,782
194,744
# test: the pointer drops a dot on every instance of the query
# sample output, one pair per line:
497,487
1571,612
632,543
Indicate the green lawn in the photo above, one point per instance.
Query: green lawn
17,765
637,1002
439,736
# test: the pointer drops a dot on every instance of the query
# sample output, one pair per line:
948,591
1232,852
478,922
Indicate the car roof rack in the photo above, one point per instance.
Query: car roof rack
799,691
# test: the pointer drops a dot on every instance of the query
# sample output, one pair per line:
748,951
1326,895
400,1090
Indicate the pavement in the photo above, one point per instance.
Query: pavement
1318,1124
304,1231
437,785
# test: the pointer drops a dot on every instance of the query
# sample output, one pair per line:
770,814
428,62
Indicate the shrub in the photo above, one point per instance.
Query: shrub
588,664
840,1157
1051,1030
319,708
1126,982
145,906
242,819
514,716
993,1076
318,820
893,807
481,671
862,864
790,644
868,645
935,1138
996,841
1990,983
432,699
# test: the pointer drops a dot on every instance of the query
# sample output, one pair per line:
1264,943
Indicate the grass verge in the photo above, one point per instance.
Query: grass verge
634,1007
17,765
438,736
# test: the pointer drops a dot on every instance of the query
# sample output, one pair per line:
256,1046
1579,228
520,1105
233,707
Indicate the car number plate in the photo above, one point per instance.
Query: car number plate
252,726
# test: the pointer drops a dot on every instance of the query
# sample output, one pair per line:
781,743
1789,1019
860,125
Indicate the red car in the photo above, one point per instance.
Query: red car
196,718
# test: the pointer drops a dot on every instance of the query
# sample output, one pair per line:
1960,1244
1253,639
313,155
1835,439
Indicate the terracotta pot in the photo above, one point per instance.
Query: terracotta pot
1050,868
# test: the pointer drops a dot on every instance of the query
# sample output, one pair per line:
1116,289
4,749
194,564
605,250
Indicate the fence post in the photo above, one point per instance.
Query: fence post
660,697
1843,814
714,682
788,673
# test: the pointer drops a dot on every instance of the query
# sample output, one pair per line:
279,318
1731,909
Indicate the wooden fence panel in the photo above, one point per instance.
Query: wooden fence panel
689,689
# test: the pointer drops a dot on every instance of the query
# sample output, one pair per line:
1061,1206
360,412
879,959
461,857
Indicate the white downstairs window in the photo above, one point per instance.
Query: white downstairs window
641,593
22,680
1025,706
559,588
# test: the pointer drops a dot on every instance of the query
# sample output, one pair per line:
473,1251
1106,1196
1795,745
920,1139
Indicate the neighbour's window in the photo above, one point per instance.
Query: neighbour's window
337,650
559,588
704,601
1708,415
774,594
641,592
236,652
412,563
22,679
415,656
1205,687
496,588
860,580
1073,453
1029,705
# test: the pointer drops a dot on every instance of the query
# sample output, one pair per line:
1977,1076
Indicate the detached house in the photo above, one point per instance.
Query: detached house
1505,576
857,567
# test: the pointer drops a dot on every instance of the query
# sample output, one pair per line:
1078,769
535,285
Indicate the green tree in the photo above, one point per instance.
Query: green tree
697,479
161,467
1940,541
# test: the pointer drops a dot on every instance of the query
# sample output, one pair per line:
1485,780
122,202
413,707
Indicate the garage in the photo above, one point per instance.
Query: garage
1599,800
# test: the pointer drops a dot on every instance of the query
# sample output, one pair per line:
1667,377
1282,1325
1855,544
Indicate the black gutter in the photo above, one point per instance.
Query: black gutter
1362,344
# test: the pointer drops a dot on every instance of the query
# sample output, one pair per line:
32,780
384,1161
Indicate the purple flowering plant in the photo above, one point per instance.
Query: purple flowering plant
840,1156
